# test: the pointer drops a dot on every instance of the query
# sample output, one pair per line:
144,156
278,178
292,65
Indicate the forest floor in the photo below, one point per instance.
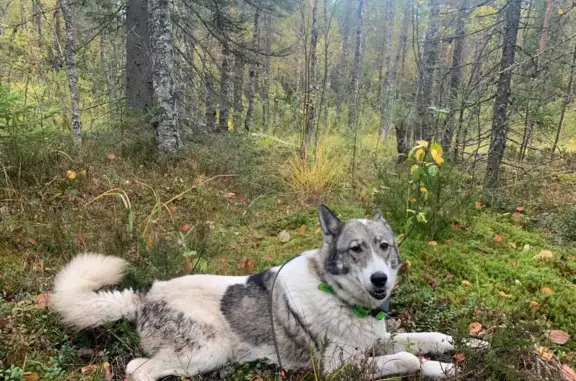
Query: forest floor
492,274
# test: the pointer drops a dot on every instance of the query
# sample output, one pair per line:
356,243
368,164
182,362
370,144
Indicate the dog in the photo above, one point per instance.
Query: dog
323,304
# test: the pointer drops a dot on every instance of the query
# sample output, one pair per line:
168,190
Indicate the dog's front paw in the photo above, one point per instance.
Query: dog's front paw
437,370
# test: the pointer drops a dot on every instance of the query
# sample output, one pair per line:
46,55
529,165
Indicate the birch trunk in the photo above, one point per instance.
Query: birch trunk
500,122
164,118
311,91
341,69
355,83
567,101
71,68
239,65
248,122
265,86
386,87
225,84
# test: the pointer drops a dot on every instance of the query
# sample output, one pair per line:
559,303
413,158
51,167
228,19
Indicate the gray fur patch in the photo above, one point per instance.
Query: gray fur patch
159,323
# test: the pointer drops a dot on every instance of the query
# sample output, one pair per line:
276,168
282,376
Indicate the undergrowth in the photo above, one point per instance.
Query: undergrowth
218,207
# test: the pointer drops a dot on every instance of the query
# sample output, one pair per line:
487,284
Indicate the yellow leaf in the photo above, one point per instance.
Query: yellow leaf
545,353
420,154
423,190
543,254
32,376
422,143
560,11
534,305
432,243
437,156
547,290
478,204
413,168
317,231
466,283
71,175
503,294
303,229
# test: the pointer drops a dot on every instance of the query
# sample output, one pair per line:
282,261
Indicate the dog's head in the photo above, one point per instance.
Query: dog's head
361,255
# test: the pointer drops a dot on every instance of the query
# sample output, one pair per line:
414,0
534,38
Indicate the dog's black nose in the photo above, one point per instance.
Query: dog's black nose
379,279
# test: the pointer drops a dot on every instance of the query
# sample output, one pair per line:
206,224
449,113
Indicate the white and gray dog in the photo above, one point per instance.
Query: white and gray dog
323,304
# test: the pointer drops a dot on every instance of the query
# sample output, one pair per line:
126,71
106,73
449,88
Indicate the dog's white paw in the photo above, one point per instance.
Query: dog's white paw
437,370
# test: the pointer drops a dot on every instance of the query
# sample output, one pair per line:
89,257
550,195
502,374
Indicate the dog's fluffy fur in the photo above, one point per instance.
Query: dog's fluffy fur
195,324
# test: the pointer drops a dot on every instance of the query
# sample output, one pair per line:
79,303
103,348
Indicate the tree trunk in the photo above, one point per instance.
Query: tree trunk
71,68
355,83
342,67
455,75
401,141
401,132
139,88
386,87
248,122
57,36
106,70
567,101
239,65
500,120
210,102
164,118
544,34
225,84
311,91
37,11
428,67
265,86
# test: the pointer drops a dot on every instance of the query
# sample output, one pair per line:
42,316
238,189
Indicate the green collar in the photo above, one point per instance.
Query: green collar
361,312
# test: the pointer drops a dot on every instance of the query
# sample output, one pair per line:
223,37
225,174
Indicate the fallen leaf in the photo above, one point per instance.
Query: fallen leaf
111,156
229,195
519,208
447,241
246,264
89,368
107,371
185,228
516,216
545,353
172,209
513,245
284,236
499,238
42,301
303,229
31,241
534,305
71,175
526,247
459,357
268,258
478,204
557,336
466,283
317,231
432,243
516,263
32,376
449,277
547,291
567,373
503,294
431,280
475,328
279,202
543,254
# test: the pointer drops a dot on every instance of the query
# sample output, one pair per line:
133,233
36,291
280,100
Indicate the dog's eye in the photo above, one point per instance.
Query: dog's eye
356,248
384,246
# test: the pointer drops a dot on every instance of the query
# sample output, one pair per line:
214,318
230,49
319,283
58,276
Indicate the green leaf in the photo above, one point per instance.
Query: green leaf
416,174
421,217
433,170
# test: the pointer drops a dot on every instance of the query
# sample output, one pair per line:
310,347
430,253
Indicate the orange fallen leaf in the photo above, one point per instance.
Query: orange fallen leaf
499,238
432,243
459,357
107,371
519,208
89,368
516,216
229,195
466,283
543,254
42,301
32,376
474,328
557,336
545,353
478,204
303,229
513,245
279,202
547,290
185,228
567,373
503,294
516,263
534,305
449,277
111,156
71,175
172,209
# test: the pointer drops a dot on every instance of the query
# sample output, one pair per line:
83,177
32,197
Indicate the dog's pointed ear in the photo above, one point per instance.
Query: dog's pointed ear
329,222
378,214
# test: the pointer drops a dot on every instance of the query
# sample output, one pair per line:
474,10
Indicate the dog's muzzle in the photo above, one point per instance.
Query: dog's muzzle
378,294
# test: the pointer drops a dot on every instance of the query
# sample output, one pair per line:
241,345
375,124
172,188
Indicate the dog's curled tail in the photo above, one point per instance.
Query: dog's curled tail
74,295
